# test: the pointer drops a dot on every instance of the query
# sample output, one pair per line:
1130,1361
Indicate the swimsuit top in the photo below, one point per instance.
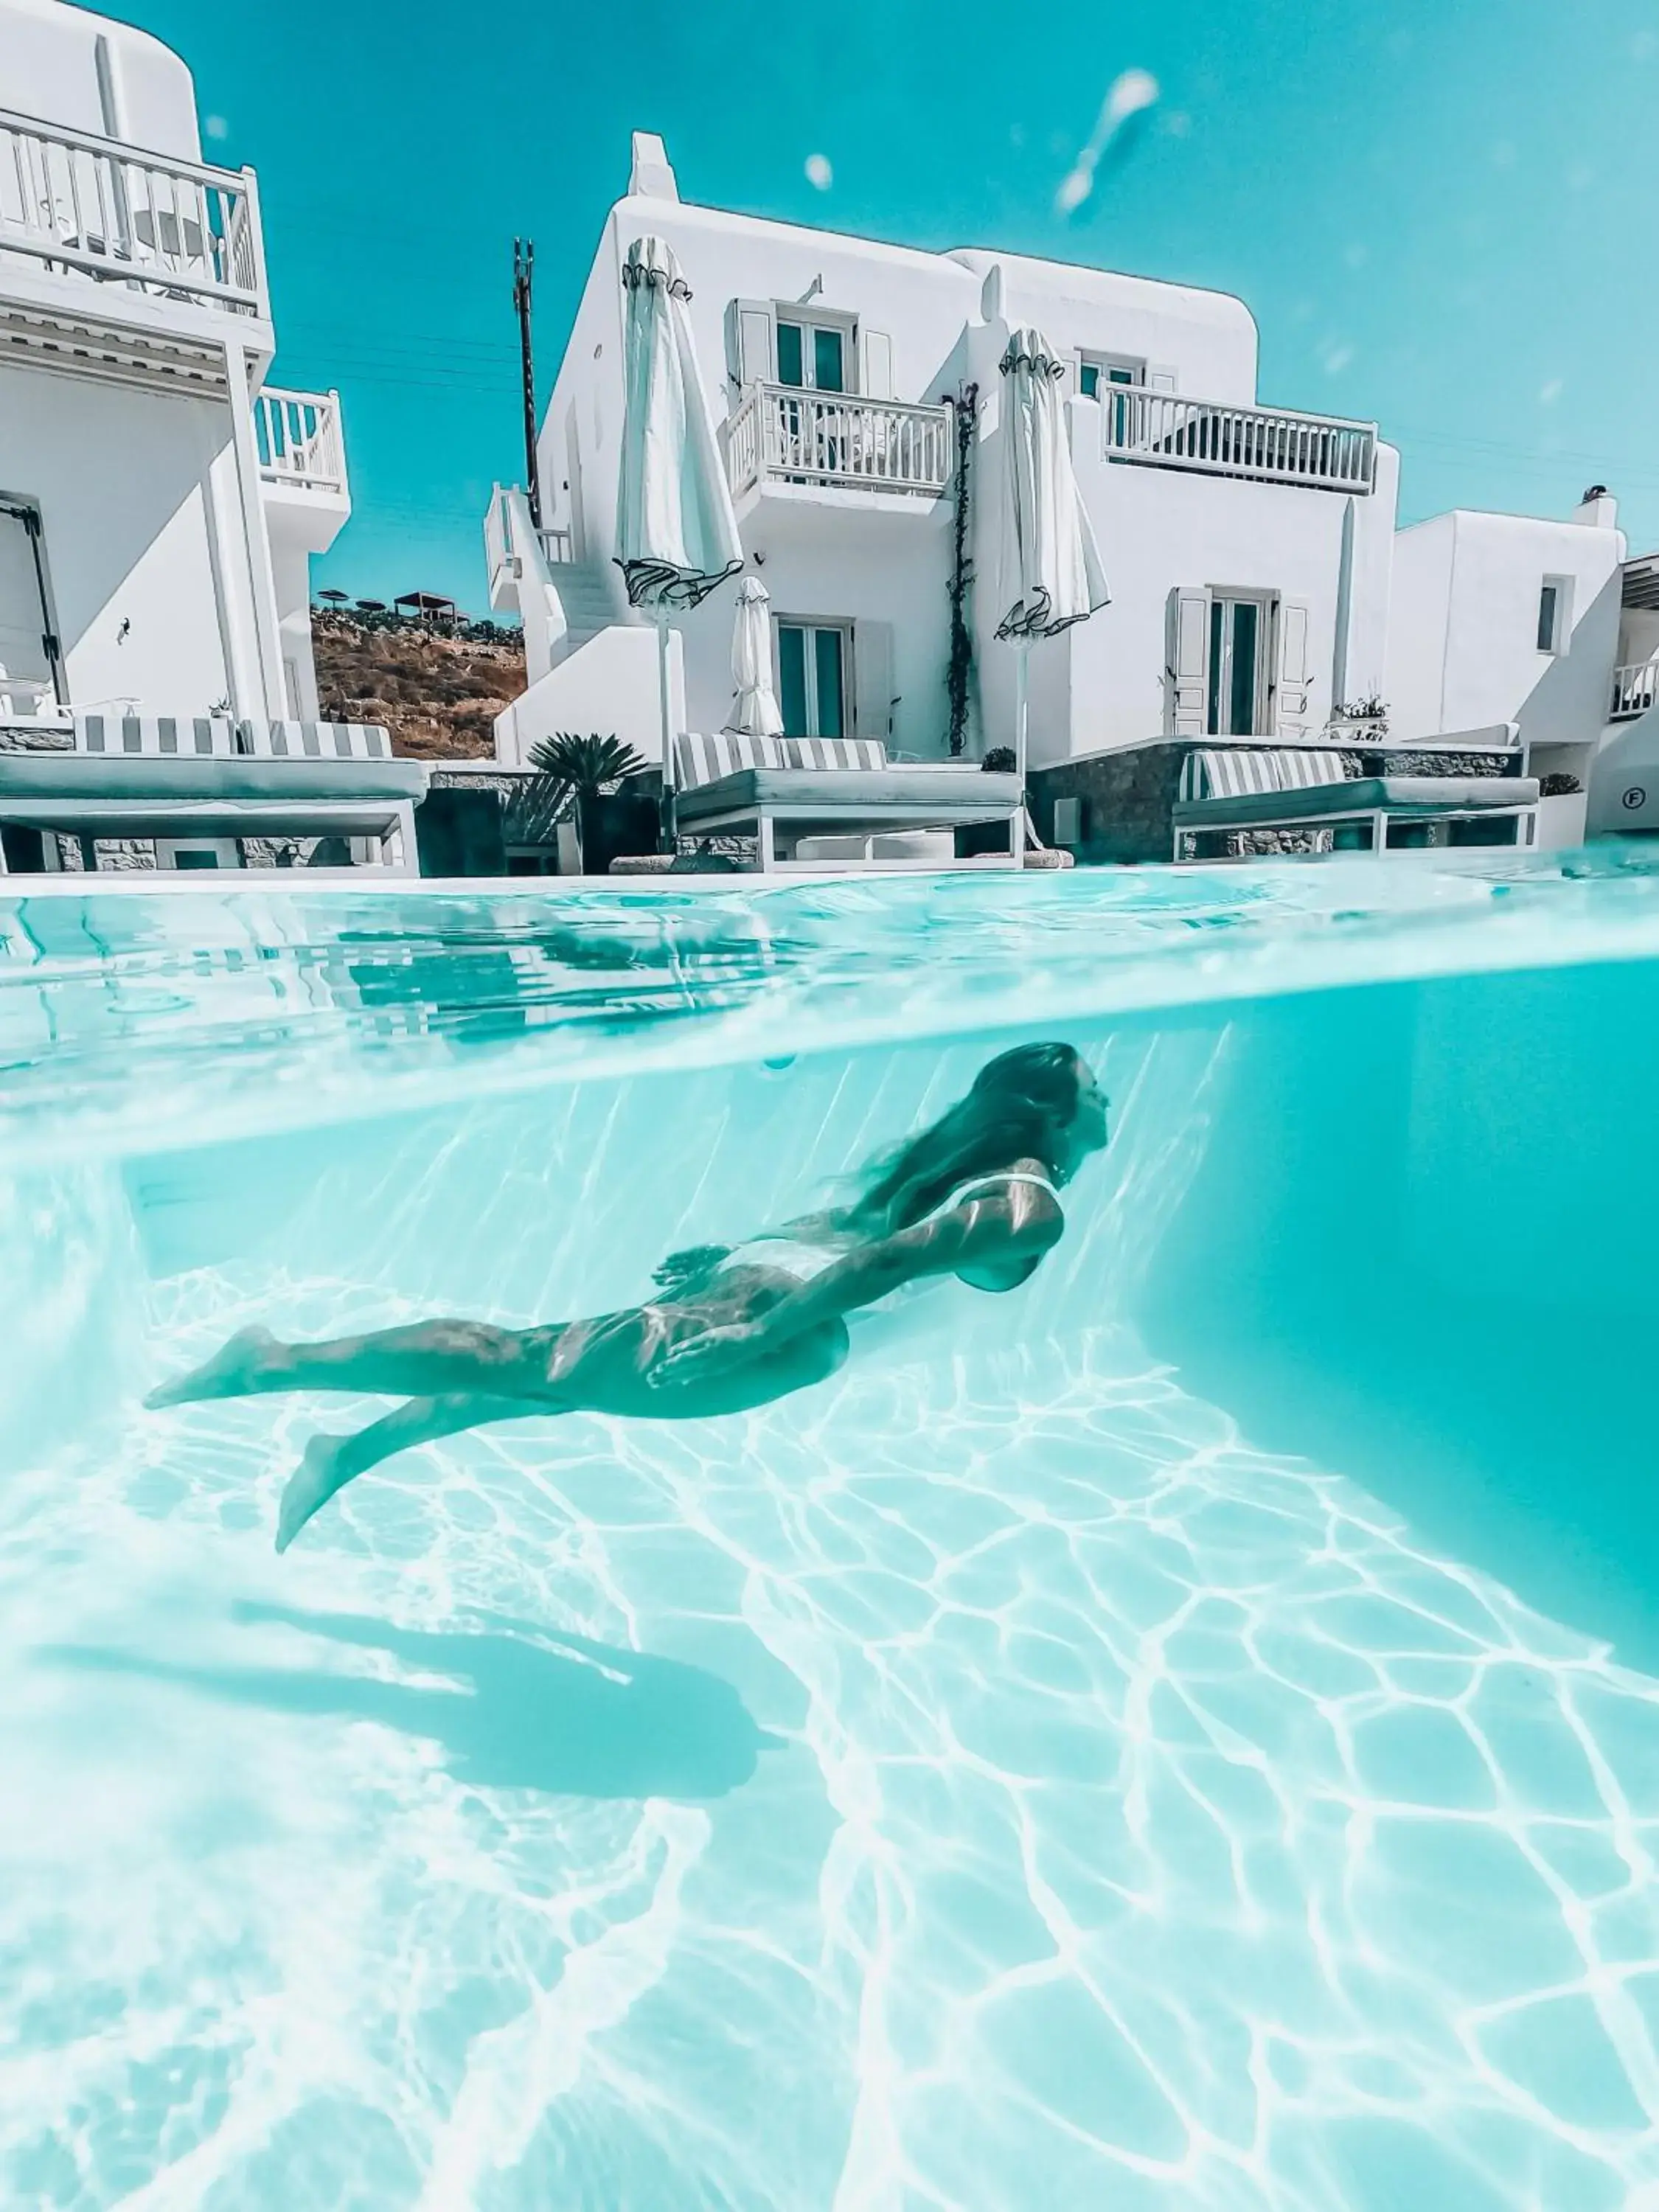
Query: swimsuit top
805,1257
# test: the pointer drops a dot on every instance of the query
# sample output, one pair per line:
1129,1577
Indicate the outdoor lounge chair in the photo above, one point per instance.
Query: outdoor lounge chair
791,793
1229,789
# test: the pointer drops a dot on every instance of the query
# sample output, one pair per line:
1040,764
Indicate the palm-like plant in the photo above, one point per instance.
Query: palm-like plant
587,771
586,766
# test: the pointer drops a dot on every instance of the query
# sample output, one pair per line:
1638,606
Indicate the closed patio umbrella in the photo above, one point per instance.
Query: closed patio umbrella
677,535
1050,573
756,713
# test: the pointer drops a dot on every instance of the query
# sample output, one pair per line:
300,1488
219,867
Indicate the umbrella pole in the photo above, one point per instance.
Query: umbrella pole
1022,720
669,837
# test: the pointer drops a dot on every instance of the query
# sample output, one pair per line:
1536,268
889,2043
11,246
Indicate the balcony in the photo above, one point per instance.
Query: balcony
1155,429
783,435
140,223
303,486
1635,688
298,437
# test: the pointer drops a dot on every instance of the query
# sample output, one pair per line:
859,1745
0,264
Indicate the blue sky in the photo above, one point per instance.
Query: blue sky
1440,214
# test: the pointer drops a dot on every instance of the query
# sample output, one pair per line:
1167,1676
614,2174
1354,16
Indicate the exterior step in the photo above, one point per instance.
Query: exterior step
592,598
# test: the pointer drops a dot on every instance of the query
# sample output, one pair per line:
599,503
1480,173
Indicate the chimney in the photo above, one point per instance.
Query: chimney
653,176
1598,507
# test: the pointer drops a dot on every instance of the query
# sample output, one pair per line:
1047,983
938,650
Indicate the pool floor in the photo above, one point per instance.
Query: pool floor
928,1806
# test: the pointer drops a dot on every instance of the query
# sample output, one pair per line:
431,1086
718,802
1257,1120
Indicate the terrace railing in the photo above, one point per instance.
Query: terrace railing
1635,688
1156,429
298,436
783,434
97,208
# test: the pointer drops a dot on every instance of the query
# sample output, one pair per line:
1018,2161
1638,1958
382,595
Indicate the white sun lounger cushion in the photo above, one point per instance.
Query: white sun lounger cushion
706,760
1233,772
832,752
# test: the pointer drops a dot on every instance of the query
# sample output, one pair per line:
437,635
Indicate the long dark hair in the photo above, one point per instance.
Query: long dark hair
1021,1104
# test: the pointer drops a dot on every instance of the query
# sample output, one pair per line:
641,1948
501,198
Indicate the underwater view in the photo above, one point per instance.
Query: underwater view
1010,1556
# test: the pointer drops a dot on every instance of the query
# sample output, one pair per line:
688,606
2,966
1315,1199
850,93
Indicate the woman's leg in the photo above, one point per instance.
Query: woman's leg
430,1359
591,1385
331,1462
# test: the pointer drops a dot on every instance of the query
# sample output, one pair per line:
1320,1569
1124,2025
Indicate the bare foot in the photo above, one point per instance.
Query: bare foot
229,1374
311,1485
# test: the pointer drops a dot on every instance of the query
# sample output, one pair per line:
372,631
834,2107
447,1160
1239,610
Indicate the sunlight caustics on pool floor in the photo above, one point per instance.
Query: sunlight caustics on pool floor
1186,1733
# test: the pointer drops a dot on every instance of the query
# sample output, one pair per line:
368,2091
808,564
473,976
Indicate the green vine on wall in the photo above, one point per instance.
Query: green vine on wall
961,574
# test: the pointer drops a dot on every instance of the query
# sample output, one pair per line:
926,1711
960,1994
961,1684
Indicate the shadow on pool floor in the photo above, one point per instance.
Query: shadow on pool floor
540,1709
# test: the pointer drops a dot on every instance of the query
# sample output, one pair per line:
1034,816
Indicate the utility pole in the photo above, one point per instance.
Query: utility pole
524,260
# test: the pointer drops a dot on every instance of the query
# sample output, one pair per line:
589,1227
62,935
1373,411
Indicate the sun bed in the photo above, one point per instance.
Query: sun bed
815,793
1287,789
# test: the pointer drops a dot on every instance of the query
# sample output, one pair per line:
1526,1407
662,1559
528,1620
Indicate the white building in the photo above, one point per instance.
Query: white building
1258,579
1513,617
1247,547
159,501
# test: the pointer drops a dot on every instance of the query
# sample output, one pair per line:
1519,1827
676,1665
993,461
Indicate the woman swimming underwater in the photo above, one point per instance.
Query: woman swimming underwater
976,1195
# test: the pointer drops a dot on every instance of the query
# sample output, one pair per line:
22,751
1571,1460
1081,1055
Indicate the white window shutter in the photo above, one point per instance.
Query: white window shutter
751,352
875,364
1294,698
1189,669
870,692
1160,377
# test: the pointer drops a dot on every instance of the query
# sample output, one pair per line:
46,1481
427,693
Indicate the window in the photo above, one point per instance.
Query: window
812,673
812,355
1098,376
1554,614
1097,371
1233,709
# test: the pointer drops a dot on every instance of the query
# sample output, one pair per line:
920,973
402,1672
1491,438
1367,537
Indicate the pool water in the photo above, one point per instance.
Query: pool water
1184,1734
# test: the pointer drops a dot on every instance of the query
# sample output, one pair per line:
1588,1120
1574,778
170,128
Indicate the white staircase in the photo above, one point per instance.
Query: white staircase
592,598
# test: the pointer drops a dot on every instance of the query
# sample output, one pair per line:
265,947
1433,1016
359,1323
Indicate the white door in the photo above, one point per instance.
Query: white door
28,652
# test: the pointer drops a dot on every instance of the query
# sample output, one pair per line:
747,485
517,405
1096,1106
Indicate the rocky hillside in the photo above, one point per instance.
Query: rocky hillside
437,694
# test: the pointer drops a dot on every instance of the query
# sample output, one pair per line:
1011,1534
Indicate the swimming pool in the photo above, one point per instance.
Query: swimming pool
1183,1734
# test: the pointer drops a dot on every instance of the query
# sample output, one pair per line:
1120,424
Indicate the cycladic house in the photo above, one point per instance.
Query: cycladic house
159,501
1260,586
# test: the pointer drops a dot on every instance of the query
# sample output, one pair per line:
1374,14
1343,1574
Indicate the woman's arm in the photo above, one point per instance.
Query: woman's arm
1016,1223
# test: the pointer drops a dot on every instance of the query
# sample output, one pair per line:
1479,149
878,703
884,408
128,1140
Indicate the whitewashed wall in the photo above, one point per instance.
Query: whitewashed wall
138,90
609,688
1463,643
139,505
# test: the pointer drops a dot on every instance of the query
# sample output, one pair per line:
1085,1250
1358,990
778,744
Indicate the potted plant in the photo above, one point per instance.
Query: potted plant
1562,801
1358,721
610,819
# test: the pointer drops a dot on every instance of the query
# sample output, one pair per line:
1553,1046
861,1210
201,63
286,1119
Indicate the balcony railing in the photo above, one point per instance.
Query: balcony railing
1635,688
1159,430
298,437
175,230
781,433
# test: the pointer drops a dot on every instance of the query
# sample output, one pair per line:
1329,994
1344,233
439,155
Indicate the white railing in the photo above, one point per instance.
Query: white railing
1162,431
782,433
298,437
558,545
176,230
1635,688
